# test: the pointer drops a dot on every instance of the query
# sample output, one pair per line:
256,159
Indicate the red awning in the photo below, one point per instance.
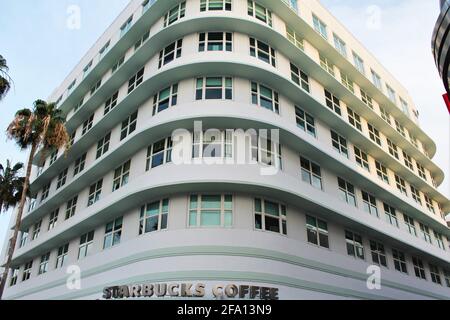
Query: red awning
447,101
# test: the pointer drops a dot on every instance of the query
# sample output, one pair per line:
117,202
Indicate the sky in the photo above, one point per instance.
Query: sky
41,50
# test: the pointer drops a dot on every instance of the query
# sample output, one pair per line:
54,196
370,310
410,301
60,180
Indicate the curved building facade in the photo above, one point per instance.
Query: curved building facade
441,43
237,143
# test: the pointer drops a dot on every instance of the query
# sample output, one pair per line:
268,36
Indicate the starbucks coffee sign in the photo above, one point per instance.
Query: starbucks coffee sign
190,290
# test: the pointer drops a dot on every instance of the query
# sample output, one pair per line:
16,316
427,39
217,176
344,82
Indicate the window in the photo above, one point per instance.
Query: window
14,277
36,230
370,203
429,204
317,232
439,240
421,171
354,119
170,53
53,221
263,52
265,97
419,269
43,266
141,40
408,161
425,233
386,116
62,177
128,126
79,165
374,134
71,207
31,203
87,125
359,63
147,4
270,216
299,77
410,225
405,107
212,144
215,5
23,238
71,141
340,45
53,157
118,64
400,128
415,194
165,98
435,274
347,82
176,13
211,211
71,86
414,141
135,80
259,12
347,192
86,244
103,145
305,121
327,65
121,176
361,158
215,41
333,102
78,105
391,94
154,217
339,143
393,149
378,253
376,79
45,192
126,26
320,26
294,38
111,103
62,256
366,99
382,172
159,153
401,185
104,49
311,173
269,152
292,4
113,232
391,215
355,246
399,261
87,69
27,271
96,87
447,277
94,192
214,88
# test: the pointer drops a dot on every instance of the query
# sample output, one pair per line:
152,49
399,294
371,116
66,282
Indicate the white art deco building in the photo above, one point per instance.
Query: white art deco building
349,184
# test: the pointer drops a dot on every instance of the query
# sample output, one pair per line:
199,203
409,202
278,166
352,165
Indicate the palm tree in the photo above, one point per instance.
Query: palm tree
11,185
44,127
5,79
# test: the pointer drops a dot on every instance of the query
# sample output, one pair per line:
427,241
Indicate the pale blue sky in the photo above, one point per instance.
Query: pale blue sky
41,51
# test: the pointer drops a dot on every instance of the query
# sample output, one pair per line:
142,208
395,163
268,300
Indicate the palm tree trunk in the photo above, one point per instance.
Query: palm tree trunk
18,219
